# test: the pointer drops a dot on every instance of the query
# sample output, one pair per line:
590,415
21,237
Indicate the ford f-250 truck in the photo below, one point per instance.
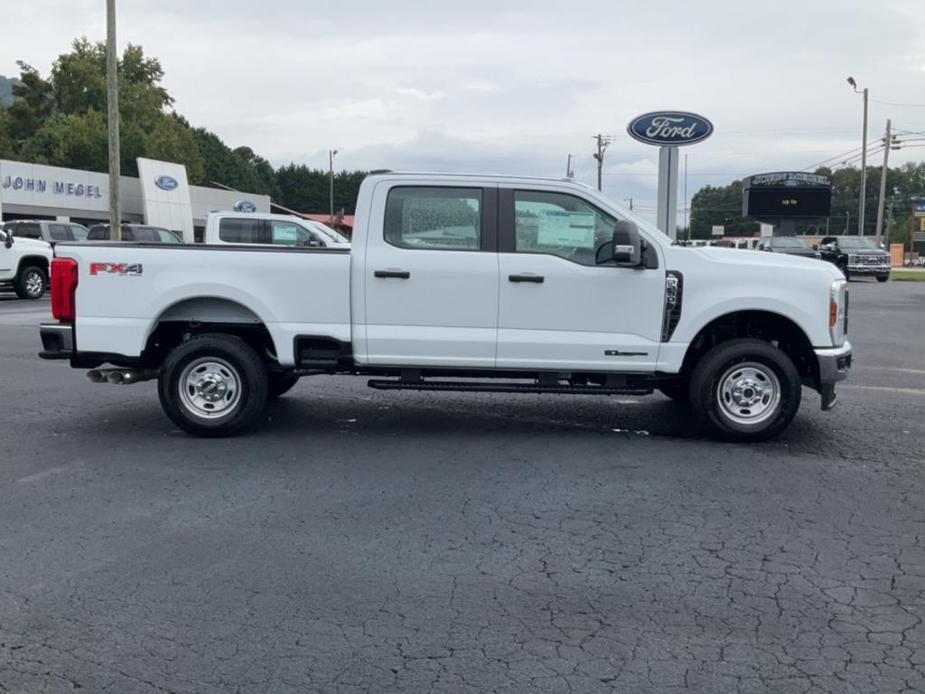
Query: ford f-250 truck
459,283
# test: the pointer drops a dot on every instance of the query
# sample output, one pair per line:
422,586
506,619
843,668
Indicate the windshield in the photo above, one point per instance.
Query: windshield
857,243
330,233
788,242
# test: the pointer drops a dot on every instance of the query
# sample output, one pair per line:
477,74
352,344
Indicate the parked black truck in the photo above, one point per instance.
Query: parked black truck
855,255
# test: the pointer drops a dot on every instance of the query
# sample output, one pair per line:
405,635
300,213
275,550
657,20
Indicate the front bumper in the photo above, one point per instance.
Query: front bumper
834,365
862,269
57,340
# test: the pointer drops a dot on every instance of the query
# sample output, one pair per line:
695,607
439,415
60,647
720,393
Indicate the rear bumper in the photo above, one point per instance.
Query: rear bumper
57,340
834,365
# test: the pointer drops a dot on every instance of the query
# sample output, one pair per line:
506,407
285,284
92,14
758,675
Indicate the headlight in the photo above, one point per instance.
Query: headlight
838,312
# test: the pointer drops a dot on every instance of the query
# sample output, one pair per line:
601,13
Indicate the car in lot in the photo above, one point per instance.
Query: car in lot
459,283
24,264
260,229
138,233
856,255
791,245
45,230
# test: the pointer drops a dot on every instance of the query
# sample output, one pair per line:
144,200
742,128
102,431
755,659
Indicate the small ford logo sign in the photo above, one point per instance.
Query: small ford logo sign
166,182
245,206
670,128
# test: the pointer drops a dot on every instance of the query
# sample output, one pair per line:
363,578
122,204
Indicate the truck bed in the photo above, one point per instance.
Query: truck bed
125,289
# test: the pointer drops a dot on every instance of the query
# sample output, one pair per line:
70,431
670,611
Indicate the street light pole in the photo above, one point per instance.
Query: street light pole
887,143
331,154
112,97
863,195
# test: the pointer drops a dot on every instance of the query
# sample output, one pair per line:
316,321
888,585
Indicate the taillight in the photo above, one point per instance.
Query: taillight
64,288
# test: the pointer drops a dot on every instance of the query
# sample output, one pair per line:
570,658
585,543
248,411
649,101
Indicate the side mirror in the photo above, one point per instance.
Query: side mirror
815,246
627,245
7,238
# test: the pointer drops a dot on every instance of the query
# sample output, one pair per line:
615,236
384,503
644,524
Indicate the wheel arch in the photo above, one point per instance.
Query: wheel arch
192,316
769,326
33,260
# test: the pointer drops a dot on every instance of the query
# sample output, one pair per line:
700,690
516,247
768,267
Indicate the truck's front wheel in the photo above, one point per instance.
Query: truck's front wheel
745,390
213,385
31,283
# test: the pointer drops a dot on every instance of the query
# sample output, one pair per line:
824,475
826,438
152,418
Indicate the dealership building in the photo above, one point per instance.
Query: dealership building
160,196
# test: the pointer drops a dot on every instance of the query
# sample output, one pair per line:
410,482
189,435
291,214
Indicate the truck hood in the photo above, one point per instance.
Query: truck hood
760,259
32,245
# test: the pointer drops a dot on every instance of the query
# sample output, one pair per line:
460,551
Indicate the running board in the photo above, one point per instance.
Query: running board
489,387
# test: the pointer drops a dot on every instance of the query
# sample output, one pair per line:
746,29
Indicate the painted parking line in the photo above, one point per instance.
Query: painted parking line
884,389
889,368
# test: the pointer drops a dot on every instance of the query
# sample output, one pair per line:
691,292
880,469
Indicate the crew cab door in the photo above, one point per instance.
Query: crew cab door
429,277
559,308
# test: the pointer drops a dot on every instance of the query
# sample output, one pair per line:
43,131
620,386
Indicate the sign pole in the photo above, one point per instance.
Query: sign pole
112,98
668,191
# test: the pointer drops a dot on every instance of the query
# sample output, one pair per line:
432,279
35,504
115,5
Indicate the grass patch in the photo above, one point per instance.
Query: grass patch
908,275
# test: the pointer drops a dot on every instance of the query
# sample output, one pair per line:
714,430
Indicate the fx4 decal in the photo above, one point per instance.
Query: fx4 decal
115,269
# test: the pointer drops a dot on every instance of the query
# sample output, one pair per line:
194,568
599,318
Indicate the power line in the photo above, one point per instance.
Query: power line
893,103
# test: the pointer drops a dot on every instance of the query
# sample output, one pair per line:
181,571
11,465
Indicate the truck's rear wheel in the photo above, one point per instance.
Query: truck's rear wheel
280,384
745,390
31,283
213,385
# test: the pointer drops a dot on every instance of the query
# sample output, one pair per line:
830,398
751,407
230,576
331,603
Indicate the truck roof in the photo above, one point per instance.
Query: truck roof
478,176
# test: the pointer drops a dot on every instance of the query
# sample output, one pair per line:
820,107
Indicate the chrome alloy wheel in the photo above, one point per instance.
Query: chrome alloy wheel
209,387
34,283
748,393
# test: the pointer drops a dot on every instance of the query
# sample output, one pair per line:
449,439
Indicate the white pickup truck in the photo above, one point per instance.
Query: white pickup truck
261,228
459,283
24,264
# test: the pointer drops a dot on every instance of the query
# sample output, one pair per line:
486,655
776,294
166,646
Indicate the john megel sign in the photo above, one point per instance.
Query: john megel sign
670,128
42,185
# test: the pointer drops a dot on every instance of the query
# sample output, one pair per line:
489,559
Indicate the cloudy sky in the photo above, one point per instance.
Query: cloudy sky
515,87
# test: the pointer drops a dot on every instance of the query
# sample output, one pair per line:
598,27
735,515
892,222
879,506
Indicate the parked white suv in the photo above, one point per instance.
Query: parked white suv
24,265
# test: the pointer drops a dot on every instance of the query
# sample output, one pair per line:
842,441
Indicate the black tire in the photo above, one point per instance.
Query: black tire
280,384
217,370
753,367
678,390
883,278
844,270
31,282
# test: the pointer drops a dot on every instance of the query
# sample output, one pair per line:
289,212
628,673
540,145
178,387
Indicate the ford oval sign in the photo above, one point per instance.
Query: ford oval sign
245,206
670,128
166,182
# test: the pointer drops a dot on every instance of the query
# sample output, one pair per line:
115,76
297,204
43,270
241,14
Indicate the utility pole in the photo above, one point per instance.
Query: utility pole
331,154
629,202
888,141
602,143
112,97
568,168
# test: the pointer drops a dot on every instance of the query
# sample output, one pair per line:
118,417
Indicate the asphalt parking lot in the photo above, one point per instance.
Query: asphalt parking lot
382,542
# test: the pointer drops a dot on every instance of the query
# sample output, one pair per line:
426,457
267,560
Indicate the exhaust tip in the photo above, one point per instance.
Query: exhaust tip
96,376
115,377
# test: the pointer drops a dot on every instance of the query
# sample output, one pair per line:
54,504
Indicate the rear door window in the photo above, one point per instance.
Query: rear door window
286,233
242,230
446,219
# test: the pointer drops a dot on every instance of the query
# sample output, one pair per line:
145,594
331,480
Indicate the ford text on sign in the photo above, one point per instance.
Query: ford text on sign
670,128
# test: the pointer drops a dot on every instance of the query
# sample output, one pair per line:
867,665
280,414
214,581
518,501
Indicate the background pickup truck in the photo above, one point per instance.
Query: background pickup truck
856,255
261,228
24,265
462,283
